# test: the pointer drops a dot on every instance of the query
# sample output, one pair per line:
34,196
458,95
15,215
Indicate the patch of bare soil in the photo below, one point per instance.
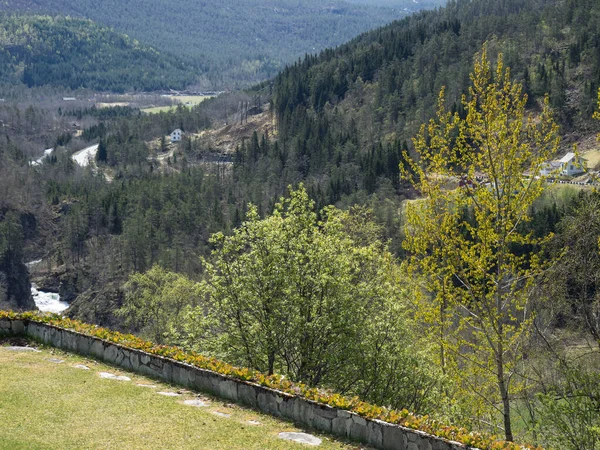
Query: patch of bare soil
14,341
226,138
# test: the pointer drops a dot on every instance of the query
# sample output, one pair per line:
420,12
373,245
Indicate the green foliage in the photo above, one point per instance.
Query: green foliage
155,302
75,53
570,409
11,236
101,154
235,42
15,288
463,240
339,106
284,295
574,279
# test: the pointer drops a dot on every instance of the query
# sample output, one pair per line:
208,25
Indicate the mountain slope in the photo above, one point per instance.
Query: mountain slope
337,110
75,53
552,47
239,40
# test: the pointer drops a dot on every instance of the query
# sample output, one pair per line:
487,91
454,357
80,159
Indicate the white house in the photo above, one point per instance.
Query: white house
550,168
568,165
572,164
176,135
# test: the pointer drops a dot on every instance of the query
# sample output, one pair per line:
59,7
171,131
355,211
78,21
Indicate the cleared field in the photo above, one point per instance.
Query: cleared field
46,402
592,157
111,105
158,109
187,100
193,99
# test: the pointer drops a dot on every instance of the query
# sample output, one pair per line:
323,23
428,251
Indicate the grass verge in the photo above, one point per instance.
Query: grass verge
50,405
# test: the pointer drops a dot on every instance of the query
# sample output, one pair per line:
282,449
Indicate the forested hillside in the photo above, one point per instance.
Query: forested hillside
425,4
237,41
75,53
344,116
387,81
158,238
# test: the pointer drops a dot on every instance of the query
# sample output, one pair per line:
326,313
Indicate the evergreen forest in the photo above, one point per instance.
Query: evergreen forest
74,53
236,42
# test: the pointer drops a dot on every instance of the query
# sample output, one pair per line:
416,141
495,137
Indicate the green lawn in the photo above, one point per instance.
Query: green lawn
49,405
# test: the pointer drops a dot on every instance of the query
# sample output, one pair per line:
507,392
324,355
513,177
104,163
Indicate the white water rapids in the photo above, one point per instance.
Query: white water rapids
46,301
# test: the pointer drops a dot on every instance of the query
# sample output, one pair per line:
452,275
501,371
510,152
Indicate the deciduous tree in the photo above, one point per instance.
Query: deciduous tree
303,297
463,240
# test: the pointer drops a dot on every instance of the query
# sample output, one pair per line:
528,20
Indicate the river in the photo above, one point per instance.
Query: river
85,156
46,301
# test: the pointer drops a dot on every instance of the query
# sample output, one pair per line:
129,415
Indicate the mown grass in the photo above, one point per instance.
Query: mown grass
45,405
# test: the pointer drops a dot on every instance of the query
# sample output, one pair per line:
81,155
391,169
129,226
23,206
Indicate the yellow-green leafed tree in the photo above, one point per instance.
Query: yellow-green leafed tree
155,301
462,240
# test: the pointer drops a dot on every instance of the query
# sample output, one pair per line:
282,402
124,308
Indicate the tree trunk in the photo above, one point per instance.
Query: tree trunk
271,363
503,388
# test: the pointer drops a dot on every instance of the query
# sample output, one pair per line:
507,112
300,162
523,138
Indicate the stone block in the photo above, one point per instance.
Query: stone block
134,360
149,372
156,364
167,371
69,341
358,429
438,444
145,359
33,331
180,375
203,381
322,423
375,433
394,438
97,349
55,337
38,331
126,363
191,377
111,352
325,411
419,439
340,426
5,325
84,345
247,394
18,327
303,412
425,444
225,388
267,402
286,406
120,357
344,414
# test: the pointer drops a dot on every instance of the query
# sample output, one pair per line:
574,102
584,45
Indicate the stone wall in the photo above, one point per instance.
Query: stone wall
381,435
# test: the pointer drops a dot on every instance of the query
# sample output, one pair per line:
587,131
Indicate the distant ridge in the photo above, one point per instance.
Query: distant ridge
75,53
236,41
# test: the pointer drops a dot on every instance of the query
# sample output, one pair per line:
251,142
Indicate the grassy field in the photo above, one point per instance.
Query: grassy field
188,100
592,157
45,404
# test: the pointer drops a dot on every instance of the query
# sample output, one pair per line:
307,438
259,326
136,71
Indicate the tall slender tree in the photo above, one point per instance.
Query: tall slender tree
463,240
